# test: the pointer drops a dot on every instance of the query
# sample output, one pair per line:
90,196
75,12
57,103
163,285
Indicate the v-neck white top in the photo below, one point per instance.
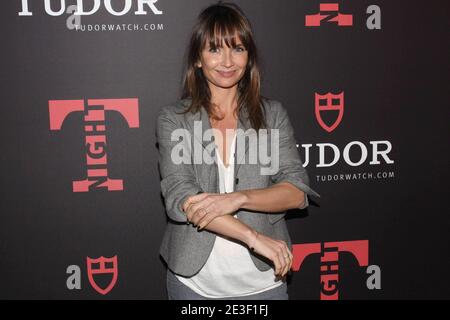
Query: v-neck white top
229,270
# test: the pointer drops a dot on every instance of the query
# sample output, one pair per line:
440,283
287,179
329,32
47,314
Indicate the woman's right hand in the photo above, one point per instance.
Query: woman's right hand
276,251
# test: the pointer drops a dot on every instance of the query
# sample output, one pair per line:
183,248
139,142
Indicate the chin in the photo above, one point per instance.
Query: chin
227,84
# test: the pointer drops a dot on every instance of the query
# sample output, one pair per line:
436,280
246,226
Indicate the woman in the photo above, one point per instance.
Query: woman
226,236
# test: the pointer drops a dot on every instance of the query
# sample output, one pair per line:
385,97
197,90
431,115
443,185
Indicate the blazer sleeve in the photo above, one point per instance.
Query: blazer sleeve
178,181
290,164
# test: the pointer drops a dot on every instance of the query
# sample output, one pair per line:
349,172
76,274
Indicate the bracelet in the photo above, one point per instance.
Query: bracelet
252,245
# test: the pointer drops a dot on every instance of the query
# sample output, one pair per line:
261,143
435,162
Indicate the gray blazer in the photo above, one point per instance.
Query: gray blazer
184,248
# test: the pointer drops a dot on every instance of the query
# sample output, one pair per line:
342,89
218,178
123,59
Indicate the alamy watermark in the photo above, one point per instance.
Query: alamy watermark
194,151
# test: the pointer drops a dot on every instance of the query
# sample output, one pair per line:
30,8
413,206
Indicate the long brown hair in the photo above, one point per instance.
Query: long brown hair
217,23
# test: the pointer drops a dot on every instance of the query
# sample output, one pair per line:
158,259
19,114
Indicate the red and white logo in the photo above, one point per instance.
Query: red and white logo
95,135
332,14
329,102
329,268
93,270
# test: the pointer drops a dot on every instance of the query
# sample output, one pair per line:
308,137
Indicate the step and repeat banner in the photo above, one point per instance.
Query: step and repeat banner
365,84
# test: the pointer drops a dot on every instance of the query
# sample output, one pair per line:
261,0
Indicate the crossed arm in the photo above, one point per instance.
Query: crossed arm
213,212
203,208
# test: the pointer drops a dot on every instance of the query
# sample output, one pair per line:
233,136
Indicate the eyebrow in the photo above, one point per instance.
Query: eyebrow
240,44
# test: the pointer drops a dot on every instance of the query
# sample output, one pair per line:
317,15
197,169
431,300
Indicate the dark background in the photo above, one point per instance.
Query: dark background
396,87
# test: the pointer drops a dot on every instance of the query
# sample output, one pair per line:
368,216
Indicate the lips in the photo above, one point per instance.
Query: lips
227,74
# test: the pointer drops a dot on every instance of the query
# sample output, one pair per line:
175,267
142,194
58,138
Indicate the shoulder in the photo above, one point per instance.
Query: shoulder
271,105
274,110
174,112
175,108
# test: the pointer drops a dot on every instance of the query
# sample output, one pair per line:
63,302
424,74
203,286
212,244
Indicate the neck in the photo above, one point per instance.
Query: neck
224,99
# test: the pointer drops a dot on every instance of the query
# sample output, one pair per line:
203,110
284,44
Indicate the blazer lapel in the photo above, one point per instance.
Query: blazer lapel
243,123
210,170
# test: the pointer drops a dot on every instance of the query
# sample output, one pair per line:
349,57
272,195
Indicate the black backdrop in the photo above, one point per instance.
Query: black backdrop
395,84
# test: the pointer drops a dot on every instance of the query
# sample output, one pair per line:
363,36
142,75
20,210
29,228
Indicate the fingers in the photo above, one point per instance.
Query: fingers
282,260
277,258
194,199
277,251
287,265
209,213
284,256
206,219
288,257
278,263
198,215
291,260
193,208
288,260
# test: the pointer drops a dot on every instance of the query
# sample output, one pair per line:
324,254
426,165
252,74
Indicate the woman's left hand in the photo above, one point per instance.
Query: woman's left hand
203,208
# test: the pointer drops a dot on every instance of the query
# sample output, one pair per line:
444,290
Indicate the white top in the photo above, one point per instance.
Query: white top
229,270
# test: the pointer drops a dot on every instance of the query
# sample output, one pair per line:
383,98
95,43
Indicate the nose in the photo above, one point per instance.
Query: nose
227,59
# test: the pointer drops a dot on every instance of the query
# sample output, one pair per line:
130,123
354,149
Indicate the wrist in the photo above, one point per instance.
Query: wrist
241,198
252,235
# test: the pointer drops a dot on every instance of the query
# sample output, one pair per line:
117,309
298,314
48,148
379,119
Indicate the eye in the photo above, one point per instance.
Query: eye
239,49
213,50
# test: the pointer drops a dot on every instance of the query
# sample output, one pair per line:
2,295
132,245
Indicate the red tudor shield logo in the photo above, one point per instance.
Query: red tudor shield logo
328,102
102,269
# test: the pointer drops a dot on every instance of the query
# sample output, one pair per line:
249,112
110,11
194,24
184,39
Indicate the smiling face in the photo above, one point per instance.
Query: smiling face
222,68
223,65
